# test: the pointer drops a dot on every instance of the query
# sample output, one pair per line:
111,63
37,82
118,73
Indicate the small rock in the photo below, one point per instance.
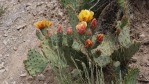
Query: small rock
147,64
5,35
23,75
2,70
144,25
142,35
14,48
2,65
7,55
134,59
5,42
29,78
21,27
41,77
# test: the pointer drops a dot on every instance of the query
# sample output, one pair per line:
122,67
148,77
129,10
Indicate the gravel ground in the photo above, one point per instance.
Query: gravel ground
17,35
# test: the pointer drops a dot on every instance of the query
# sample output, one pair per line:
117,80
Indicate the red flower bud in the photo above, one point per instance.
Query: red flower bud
48,33
88,32
99,38
94,23
59,29
69,31
88,43
81,27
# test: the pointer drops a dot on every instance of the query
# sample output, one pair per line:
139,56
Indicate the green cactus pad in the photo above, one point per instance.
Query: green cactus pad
39,35
124,54
124,37
123,22
107,47
35,63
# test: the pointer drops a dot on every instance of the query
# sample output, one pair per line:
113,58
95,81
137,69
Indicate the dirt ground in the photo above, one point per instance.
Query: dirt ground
17,36
139,17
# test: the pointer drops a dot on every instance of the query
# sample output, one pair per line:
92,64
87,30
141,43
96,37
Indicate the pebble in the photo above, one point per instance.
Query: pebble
2,65
134,59
29,78
41,77
5,35
142,35
147,64
7,55
2,70
14,48
5,42
23,75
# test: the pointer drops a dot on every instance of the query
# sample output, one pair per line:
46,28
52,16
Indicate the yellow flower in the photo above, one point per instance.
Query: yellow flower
85,15
43,24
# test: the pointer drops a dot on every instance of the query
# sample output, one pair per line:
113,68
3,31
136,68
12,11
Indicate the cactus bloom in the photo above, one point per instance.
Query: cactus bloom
69,31
43,24
81,27
85,15
88,43
59,29
94,23
99,38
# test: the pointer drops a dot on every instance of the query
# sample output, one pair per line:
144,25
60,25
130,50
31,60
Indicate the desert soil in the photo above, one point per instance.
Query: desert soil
17,36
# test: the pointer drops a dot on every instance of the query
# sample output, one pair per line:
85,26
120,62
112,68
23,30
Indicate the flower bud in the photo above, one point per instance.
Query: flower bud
99,38
69,31
59,29
94,23
81,27
48,33
88,43
88,32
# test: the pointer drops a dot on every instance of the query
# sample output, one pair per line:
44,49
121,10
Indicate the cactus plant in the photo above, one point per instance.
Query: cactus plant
101,50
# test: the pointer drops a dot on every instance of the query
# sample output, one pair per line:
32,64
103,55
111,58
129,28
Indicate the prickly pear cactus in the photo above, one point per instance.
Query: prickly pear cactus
81,47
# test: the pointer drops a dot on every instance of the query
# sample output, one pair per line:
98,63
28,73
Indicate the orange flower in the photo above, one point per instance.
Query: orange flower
43,24
99,38
69,31
94,23
81,27
88,43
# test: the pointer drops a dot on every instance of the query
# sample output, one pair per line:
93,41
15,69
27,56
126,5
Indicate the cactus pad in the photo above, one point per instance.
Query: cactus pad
36,63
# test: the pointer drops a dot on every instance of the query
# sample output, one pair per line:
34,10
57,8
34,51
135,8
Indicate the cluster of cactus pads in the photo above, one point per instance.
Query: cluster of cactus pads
72,49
